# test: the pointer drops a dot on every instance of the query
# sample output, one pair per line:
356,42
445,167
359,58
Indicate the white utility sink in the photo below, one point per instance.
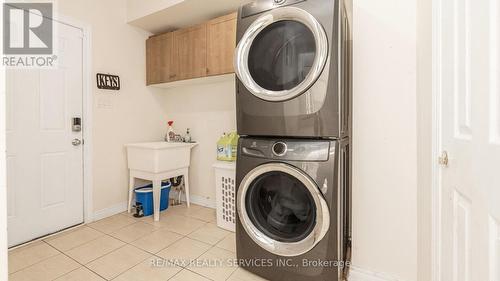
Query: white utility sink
157,161
157,157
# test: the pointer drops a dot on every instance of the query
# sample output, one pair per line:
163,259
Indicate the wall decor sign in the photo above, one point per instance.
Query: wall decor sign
108,81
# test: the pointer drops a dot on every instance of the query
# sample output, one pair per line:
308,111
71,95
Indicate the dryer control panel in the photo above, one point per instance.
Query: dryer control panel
261,6
292,150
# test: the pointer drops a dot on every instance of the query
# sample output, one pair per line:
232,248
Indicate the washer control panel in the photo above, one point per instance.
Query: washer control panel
279,148
293,150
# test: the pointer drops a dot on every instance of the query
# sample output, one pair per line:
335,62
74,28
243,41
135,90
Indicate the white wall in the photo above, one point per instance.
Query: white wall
3,172
134,113
208,110
385,138
424,115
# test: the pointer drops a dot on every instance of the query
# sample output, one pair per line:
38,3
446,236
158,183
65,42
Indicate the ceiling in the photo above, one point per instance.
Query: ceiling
185,13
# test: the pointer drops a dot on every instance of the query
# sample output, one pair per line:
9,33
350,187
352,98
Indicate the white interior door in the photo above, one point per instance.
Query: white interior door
44,168
467,77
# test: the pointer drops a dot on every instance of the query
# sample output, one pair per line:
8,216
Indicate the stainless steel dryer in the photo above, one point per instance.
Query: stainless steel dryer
293,66
293,205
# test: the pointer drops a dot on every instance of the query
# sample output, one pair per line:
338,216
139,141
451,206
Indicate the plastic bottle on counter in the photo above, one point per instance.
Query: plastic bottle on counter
187,138
170,136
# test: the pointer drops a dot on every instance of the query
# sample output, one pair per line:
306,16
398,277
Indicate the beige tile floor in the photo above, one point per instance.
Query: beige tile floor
182,246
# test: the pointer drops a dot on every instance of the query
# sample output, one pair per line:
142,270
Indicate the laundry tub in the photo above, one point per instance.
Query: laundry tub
144,196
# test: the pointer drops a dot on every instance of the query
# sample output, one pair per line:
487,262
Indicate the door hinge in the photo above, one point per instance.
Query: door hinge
443,159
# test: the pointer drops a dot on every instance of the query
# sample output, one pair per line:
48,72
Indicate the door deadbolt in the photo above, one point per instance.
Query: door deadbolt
76,142
76,124
443,159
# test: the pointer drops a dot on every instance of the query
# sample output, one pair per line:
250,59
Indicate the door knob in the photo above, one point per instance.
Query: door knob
76,142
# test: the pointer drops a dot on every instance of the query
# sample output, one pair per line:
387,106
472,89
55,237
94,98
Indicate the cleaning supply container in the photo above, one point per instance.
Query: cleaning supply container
232,146
227,147
221,147
144,195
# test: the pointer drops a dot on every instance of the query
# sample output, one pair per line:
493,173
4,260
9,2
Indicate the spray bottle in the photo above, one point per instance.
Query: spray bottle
170,136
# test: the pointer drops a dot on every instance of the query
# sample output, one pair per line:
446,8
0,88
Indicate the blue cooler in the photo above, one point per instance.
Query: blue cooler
144,195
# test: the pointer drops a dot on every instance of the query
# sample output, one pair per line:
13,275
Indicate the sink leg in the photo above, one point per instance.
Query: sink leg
186,186
130,193
156,199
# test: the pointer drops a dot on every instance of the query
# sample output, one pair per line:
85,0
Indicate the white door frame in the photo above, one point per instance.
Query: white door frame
88,205
3,179
436,141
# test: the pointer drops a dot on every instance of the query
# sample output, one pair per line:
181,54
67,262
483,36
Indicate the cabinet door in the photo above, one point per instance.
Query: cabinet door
221,44
191,52
160,66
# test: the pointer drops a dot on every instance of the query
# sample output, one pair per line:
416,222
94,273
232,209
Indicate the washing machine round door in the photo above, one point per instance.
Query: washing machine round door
282,209
282,54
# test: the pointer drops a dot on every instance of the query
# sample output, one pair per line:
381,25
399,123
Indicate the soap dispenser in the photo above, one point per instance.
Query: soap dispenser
188,136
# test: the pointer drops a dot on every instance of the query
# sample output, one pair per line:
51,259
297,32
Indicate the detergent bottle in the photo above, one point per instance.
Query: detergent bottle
221,147
232,146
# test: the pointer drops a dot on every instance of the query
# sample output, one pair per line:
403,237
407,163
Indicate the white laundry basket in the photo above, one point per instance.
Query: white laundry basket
225,185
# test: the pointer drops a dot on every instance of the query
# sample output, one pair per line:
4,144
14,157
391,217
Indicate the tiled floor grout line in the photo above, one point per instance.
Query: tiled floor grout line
182,237
114,250
234,272
90,269
218,241
67,273
42,241
129,267
206,277
199,274
125,244
81,265
47,242
85,265
150,254
89,225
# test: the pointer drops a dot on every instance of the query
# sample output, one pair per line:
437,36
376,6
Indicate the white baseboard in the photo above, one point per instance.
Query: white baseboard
122,207
110,211
358,274
198,200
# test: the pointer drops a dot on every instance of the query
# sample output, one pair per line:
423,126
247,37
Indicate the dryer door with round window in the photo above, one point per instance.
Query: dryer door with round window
281,54
282,209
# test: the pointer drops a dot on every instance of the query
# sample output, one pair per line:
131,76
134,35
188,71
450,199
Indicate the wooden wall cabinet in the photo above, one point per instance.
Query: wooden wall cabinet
191,52
160,66
203,50
221,34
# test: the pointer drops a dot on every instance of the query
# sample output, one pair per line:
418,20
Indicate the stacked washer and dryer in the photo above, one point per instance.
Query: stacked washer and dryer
293,172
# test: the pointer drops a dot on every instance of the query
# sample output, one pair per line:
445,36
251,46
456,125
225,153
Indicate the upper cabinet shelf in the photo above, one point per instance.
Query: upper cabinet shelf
198,51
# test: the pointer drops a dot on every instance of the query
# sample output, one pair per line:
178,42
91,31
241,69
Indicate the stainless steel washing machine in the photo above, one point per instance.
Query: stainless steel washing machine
293,205
293,63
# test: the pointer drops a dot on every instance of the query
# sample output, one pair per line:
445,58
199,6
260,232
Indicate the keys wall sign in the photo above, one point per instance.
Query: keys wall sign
108,81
